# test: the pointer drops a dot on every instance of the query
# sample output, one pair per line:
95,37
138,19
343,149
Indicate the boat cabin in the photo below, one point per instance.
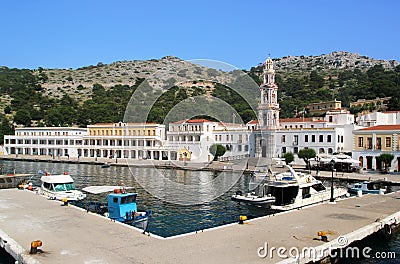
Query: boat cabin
59,187
286,194
58,183
122,206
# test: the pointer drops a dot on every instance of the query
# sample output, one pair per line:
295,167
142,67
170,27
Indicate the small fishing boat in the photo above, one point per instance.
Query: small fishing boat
58,187
121,206
373,187
14,180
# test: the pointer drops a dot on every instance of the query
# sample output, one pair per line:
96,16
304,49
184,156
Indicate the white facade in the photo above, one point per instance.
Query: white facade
236,139
379,118
194,138
52,141
338,118
191,138
322,140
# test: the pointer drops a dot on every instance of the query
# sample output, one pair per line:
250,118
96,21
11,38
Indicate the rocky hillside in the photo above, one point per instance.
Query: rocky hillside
78,83
340,60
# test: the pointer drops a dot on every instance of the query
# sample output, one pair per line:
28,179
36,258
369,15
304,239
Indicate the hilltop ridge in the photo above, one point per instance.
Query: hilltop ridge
333,60
77,83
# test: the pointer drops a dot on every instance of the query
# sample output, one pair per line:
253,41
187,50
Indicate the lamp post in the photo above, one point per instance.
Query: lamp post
318,160
332,168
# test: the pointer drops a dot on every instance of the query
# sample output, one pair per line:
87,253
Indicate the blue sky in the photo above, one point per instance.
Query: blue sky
76,33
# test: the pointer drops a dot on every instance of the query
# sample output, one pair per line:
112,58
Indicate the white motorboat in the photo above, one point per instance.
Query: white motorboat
293,190
60,186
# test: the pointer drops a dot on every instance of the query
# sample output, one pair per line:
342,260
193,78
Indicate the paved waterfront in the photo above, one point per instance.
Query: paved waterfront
71,235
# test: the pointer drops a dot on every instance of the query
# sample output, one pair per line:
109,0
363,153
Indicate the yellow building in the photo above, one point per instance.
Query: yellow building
363,102
126,140
184,155
323,107
371,142
124,129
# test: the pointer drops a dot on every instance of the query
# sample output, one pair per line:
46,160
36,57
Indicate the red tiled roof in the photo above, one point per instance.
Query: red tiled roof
383,127
178,122
191,121
197,121
253,122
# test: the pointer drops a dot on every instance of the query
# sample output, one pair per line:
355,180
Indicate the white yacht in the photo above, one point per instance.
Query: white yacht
60,186
293,190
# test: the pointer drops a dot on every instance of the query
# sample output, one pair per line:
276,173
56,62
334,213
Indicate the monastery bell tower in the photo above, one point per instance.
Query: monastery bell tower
268,108
268,116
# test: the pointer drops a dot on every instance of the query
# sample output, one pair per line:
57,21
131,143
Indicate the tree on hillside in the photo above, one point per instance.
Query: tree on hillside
393,104
306,155
22,117
386,158
5,128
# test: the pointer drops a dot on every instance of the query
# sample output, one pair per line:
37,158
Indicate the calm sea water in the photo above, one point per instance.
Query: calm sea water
169,219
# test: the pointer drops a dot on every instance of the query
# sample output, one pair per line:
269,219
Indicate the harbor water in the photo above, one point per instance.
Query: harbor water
170,219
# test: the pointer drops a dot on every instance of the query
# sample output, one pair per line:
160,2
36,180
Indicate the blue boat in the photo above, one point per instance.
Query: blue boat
121,206
373,187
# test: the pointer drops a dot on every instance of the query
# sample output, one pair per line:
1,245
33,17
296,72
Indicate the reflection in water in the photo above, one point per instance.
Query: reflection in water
184,187
168,218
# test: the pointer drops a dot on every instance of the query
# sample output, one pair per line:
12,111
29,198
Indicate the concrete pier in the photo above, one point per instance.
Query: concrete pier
70,235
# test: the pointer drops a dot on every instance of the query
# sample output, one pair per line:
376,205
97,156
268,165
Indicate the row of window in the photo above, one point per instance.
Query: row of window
98,142
48,133
378,143
320,150
188,128
239,147
312,138
184,138
130,132
230,138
